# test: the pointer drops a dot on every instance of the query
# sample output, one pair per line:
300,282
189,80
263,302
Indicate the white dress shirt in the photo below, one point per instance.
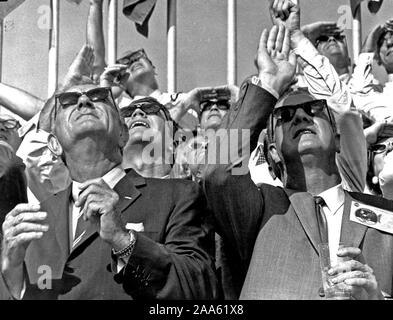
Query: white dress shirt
334,208
368,95
111,178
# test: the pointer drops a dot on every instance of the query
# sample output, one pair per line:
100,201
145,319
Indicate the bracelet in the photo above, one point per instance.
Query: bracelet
127,251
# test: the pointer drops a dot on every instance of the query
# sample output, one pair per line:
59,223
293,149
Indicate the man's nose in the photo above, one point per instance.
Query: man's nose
331,38
214,107
301,116
84,101
138,112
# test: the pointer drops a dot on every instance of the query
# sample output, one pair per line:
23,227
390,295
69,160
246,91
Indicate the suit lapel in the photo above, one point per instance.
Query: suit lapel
128,193
62,222
352,233
304,207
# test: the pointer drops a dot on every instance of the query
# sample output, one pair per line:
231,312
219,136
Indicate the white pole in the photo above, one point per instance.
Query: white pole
231,54
112,31
171,46
53,67
357,33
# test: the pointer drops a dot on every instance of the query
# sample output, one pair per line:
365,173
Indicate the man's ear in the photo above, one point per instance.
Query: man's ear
54,145
274,161
124,136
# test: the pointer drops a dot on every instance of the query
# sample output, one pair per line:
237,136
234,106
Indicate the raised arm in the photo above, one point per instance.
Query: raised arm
20,102
236,202
95,36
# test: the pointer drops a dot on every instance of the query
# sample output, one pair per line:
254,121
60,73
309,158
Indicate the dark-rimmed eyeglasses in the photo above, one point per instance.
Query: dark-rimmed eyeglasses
10,124
378,148
325,38
101,94
95,95
146,107
312,108
221,105
133,57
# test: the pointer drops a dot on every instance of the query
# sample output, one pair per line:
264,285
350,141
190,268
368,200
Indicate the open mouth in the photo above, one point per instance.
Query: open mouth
3,137
137,124
213,115
303,131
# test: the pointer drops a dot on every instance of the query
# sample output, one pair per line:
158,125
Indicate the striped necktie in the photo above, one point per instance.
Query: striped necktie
321,218
81,227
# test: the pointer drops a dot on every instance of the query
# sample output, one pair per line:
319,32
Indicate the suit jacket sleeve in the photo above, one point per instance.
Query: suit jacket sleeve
182,267
235,200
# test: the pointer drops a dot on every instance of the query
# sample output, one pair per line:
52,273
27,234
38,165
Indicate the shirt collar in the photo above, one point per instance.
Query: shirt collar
334,198
111,178
345,77
390,77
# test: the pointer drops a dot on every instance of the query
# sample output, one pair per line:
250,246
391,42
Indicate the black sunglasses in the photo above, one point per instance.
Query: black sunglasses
325,38
146,107
95,95
101,94
10,123
381,147
133,57
312,108
221,105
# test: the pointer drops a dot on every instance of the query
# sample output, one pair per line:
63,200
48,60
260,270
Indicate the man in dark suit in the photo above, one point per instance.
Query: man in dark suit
112,234
273,232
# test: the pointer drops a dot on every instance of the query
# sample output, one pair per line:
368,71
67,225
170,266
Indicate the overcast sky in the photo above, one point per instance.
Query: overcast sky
201,38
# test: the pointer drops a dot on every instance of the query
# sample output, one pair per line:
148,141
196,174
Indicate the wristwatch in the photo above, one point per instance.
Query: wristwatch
127,251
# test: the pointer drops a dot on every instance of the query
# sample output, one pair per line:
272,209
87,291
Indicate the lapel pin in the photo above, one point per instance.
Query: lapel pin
129,198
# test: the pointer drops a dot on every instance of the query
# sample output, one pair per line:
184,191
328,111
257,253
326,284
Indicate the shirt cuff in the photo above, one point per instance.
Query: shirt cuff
306,50
263,83
366,58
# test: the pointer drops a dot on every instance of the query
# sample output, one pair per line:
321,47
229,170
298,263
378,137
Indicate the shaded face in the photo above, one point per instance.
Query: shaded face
386,50
9,131
212,115
335,49
381,150
142,125
304,133
87,116
140,68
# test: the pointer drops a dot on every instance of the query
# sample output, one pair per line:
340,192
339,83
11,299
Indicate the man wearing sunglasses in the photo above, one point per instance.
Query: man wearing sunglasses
330,41
150,147
380,159
274,232
142,81
373,98
112,234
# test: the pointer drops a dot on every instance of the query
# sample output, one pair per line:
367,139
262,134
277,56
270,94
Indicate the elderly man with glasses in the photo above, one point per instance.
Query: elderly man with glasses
274,232
112,234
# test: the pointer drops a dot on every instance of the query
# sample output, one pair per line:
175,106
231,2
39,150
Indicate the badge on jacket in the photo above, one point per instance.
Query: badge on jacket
371,216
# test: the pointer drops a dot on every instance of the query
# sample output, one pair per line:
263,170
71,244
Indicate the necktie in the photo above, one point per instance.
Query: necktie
321,218
81,227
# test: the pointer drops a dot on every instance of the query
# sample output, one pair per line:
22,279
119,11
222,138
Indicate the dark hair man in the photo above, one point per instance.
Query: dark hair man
153,232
